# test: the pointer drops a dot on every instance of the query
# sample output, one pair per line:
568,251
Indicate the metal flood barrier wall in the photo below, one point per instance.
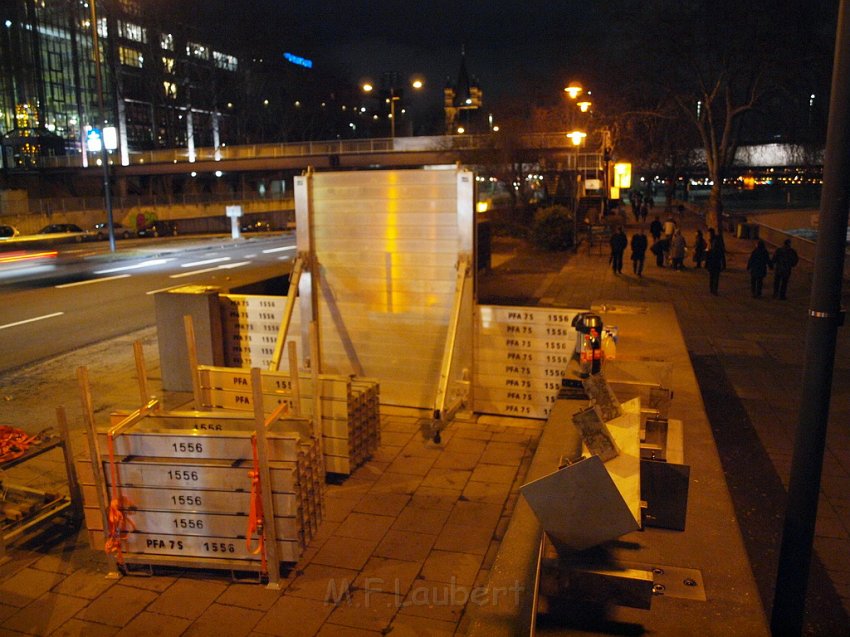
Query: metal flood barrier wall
388,277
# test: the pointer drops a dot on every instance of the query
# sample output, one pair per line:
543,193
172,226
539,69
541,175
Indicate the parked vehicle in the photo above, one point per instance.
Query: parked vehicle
159,228
66,228
101,231
7,232
256,226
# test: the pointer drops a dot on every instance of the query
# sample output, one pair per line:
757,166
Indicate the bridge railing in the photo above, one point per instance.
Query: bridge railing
74,204
320,148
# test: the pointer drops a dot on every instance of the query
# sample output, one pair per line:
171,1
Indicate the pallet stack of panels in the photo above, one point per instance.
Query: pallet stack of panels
250,324
350,419
184,480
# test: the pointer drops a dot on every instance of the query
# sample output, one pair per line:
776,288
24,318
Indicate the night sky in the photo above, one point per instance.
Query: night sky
510,46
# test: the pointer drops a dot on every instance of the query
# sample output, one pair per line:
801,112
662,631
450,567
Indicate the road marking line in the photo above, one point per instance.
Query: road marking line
287,248
135,266
32,320
207,262
90,281
229,266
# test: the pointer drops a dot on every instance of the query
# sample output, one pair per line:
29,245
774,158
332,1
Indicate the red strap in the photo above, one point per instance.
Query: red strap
255,517
116,520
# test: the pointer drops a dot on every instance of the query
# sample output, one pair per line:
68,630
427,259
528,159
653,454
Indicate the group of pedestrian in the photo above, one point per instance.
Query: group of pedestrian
669,243
782,262
641,205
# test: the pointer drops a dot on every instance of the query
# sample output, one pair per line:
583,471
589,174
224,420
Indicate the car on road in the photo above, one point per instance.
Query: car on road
101,231
66,228
8,232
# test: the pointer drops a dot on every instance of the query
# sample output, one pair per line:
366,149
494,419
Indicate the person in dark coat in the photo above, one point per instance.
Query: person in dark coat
715,260
639,245
660,249
699,249
784,259
655,228
678,248
619,243
757,266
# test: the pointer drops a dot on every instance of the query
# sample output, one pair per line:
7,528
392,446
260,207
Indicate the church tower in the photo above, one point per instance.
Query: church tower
462,101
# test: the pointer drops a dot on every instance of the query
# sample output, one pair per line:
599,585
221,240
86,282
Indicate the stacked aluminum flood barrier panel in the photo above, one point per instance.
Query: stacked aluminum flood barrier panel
350,419
184,483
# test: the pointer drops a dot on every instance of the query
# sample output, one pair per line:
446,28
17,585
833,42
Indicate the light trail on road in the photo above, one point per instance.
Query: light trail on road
90,281
205,262
135,266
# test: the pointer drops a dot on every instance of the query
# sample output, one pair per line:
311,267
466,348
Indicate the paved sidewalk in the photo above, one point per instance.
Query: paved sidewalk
409,534
402,544
747,356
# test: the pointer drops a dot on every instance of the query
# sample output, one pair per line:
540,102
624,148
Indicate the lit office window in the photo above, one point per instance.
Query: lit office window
197,51
168,65
166,41
132,31
224,61
130,57
170,89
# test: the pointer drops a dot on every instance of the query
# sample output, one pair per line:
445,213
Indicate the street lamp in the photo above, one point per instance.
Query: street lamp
107,194
574,90
577,138
395,93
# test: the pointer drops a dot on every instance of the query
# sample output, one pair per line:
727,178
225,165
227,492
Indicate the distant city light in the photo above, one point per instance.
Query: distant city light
218,173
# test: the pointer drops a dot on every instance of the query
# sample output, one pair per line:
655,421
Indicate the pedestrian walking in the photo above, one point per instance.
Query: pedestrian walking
715,260
678,248
619,243
757,266
699,249
655,228
644,211
639,245
670,226
784,259
660,249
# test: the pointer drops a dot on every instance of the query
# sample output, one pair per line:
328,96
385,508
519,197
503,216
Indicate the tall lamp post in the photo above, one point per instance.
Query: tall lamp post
107,194
577,138
395,93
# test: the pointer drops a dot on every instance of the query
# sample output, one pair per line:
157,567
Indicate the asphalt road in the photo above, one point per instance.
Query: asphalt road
92,294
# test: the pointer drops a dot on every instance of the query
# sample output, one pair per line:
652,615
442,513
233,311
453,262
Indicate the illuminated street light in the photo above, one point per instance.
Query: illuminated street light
584,106
574,90
577,138
394,96
107,192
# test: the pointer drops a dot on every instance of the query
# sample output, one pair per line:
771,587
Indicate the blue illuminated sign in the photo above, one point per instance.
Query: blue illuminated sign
297,59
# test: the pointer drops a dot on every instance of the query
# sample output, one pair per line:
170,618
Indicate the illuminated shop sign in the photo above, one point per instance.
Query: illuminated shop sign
297,59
